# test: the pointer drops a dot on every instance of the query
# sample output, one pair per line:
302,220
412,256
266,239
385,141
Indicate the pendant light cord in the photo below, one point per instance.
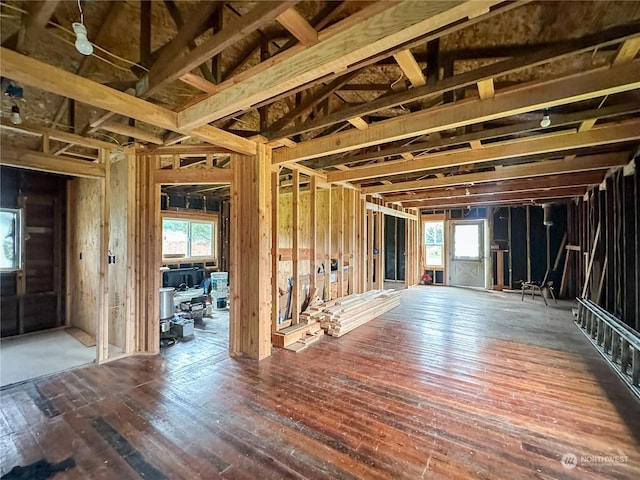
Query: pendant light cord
81,14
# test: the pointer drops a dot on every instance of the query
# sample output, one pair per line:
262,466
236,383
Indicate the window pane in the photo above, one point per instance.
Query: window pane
466,241
201,239
434,233
10,238
175,237
434,255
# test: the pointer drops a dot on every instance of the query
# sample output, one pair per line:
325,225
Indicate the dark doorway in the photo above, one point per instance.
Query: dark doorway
394,250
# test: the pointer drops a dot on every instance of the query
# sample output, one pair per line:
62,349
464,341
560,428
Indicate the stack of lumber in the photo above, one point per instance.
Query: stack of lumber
286,336
344,314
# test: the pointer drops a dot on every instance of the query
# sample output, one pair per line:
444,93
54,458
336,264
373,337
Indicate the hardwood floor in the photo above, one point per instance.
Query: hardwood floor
453,384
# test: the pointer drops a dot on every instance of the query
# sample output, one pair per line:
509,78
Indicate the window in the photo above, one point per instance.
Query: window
466,242
11,238
434,243
187,238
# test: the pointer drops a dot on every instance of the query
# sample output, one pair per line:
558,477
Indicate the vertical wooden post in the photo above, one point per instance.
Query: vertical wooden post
340,226
380,246
328,233
370,247
275,239
363,254
130,306
295,220
102,330
251,204
313,237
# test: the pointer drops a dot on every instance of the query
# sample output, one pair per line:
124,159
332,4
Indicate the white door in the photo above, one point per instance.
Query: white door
467,253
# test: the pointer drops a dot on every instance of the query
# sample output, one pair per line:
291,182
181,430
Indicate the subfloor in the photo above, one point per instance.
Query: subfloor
43,353
454,384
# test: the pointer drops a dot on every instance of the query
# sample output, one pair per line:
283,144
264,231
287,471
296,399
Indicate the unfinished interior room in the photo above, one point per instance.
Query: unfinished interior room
320,239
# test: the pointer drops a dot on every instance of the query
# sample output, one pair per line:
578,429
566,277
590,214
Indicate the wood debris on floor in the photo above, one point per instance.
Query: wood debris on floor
342,315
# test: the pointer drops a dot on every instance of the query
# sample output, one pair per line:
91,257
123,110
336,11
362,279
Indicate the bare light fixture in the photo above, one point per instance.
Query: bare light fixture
467,192
83,45
546,120
15,115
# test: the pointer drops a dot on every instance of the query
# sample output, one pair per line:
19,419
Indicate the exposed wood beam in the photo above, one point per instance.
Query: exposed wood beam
580,179
392,27
359,123
37,18
57,135
43,162
389,211
174,67
439,142
52,79
198,82
486,89
547,167
512,101
189,149
627,51
135,132
203,176
587,125
535,145
40,75
298,27
205,13
410,68
309,103
530,59
497,199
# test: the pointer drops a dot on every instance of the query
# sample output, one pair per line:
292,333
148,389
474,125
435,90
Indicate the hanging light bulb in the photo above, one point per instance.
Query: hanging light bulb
467,192
546,121
83,45
16,119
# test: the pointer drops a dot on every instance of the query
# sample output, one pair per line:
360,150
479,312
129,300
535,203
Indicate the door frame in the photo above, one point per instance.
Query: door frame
485,248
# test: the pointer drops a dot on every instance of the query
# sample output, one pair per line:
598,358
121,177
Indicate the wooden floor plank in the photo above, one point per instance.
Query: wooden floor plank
451,384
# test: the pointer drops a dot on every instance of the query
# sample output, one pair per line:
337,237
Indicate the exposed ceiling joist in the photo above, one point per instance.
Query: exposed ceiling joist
439,142
57,135
175,66
536,145
298,27
410,68
500,198
516,100
580,179
393,26
44,162
129,131
40,75
547,167
532,59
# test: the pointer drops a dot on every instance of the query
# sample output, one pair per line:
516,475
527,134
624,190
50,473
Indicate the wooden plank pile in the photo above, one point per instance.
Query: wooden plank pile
285,337
344,314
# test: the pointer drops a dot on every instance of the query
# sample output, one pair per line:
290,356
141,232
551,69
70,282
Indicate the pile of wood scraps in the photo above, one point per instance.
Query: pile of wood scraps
344,314
336,317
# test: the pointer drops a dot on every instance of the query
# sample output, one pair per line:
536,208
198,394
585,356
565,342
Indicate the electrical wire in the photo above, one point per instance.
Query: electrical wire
81,14
97,47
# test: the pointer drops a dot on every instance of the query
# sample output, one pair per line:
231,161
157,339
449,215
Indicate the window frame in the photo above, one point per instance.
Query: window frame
191,219
479,232
426,245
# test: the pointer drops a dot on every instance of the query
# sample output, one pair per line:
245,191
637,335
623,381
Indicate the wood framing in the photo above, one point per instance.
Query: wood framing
516,100
387,29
